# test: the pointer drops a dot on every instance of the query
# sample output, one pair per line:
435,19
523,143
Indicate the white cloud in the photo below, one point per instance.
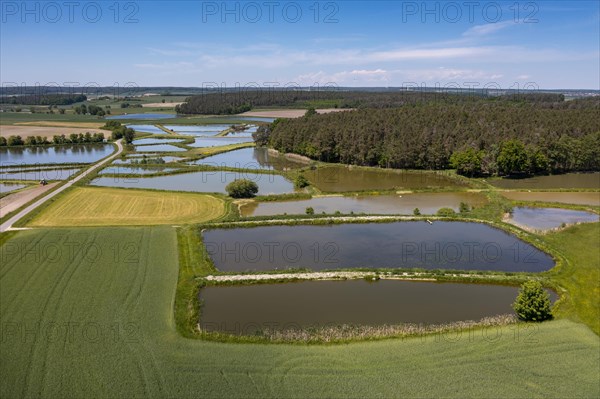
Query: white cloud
344,78
487,29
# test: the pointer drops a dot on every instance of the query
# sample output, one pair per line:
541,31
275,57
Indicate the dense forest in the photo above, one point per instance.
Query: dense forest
237,102
481,137
44,99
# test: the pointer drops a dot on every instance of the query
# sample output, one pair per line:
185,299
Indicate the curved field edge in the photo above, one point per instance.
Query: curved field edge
95,206
121,339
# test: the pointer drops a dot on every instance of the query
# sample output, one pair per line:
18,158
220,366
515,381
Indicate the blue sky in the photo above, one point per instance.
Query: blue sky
545,44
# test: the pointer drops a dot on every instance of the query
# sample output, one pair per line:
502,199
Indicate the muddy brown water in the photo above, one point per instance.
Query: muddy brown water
576,198
245,309
566,181
428,203
340,179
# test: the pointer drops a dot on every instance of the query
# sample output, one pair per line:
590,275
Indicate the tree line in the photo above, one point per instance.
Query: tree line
73,138
44,99
229,103
482,137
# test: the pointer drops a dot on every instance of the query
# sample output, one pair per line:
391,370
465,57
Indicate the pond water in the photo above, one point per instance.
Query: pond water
210,182
249,158
339,179
83,153
247,309
159,148
130,159
428,203
7,187
577,198
146,129
39,174
441,245
549,218
116,170
198,130
568,180
202,142
245,133
142,116
252,118
155,141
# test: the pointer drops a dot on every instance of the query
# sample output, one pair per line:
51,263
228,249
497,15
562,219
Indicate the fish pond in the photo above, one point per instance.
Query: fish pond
202,142
566,181
407,245
159,148
249,158
207,182
549,218
197,130
123,170
39,174
83,153
248,309
146,129
138,158
8,187
340,179
155,140
405,204
565,197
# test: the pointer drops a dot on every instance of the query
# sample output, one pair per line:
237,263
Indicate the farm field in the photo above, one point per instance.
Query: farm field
89,313
87,206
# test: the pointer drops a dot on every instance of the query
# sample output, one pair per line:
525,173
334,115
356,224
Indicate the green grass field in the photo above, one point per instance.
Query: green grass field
580,275
90,206
88,312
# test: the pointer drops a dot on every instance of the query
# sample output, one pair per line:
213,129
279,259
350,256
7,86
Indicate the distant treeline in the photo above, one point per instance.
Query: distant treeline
242,101
543,137
44,99
73,138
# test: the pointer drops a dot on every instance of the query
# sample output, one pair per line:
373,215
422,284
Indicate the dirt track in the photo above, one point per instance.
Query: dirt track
16,200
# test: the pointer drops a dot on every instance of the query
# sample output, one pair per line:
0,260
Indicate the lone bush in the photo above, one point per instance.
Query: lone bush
446,212
301,182
242,188
533,302
310,210
416,212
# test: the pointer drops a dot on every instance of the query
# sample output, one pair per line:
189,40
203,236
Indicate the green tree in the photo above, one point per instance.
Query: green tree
533,302
464,207
512,158
310,210
242,188
417,212
15,140
310,112
3,141
468,162
262,135
128,135
300,182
